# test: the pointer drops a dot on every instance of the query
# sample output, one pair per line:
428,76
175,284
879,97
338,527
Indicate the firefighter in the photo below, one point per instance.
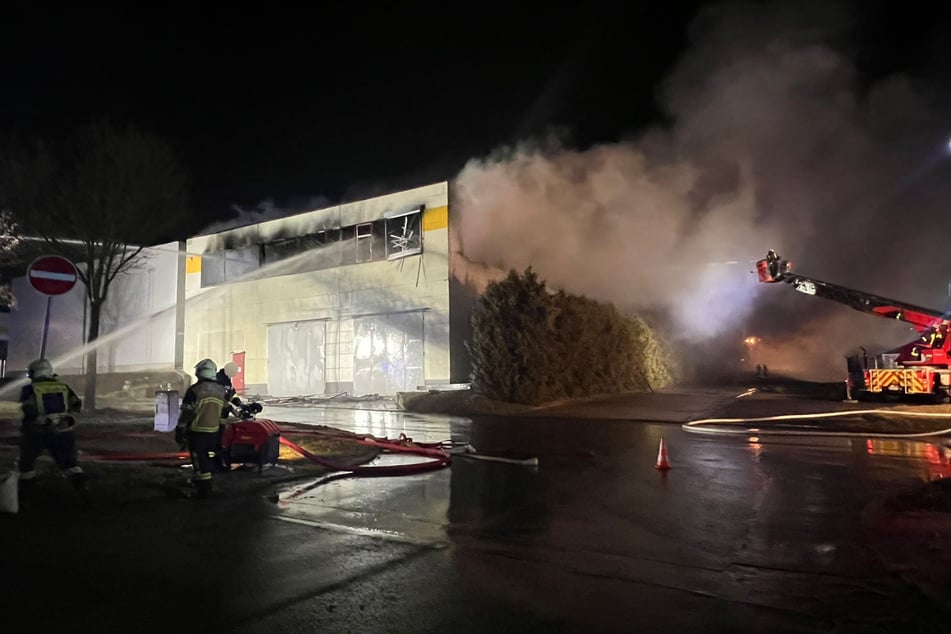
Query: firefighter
203,407
224,377
772,259
49,407
933,338
232,405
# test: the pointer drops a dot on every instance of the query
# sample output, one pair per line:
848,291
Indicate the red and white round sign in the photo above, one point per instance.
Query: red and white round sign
52,275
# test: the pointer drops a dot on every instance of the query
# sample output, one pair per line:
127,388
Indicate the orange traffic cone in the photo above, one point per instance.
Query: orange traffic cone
662,462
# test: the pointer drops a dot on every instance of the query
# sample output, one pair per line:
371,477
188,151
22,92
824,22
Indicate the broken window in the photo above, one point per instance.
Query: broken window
281,249
311,252
241,263
229,265
396,236
212,269
404,234
323,249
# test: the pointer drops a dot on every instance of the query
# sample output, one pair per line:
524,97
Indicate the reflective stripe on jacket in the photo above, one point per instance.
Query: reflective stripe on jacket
202,406
53,405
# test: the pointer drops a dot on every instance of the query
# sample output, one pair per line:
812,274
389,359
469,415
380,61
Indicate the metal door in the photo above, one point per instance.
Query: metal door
388,353
237,381
296,358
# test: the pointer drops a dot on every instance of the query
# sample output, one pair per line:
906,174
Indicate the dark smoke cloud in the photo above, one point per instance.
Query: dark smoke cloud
776,141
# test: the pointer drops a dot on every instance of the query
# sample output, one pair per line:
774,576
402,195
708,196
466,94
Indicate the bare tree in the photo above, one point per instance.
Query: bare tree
9,241
96,199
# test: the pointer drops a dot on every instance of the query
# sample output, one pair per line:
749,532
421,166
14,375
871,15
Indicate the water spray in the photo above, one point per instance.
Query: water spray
287,265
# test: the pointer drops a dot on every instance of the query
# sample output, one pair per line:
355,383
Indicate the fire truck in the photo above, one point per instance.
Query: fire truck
920,367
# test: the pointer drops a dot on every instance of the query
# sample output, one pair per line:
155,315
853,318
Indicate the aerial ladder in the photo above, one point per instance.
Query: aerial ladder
921,367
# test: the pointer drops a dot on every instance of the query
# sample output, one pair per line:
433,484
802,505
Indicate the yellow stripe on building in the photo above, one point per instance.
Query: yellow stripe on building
436,218
193,264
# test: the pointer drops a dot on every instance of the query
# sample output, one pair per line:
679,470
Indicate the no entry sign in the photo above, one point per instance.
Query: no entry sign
52,275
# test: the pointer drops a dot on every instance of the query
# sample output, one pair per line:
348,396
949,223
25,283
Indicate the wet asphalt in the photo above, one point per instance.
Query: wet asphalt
743,534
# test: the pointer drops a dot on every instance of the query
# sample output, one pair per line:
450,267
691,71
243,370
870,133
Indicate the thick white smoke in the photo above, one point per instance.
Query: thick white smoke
264,210
608,224
775,142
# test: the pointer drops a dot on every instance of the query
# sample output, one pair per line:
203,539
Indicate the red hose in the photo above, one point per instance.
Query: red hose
403,438
441,459
404,444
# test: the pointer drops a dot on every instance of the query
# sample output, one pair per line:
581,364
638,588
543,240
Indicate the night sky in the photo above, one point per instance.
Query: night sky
338,103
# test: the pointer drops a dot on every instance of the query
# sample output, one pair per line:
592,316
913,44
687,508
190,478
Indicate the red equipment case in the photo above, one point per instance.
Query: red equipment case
251,442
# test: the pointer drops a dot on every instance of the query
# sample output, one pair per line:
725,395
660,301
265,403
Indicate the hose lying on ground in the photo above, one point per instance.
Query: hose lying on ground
439,460
697,426
403,445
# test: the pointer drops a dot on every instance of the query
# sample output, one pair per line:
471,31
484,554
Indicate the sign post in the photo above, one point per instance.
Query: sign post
51,275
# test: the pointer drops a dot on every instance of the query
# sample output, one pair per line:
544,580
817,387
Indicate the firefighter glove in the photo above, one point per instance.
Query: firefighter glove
180,437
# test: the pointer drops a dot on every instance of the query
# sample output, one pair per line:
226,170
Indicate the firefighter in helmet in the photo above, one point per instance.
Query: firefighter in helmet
204,405
934,337
233,404
224,376
772,259
49,407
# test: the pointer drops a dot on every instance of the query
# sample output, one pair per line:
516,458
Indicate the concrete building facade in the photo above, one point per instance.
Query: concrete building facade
349,299
368,297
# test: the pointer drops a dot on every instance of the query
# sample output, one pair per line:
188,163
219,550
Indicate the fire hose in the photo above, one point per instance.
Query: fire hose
741,426
438,457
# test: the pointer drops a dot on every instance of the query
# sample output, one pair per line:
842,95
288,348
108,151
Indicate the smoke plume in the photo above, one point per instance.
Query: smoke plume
265,210
776,141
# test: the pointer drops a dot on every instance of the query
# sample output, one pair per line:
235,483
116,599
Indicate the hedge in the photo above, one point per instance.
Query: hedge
533,346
